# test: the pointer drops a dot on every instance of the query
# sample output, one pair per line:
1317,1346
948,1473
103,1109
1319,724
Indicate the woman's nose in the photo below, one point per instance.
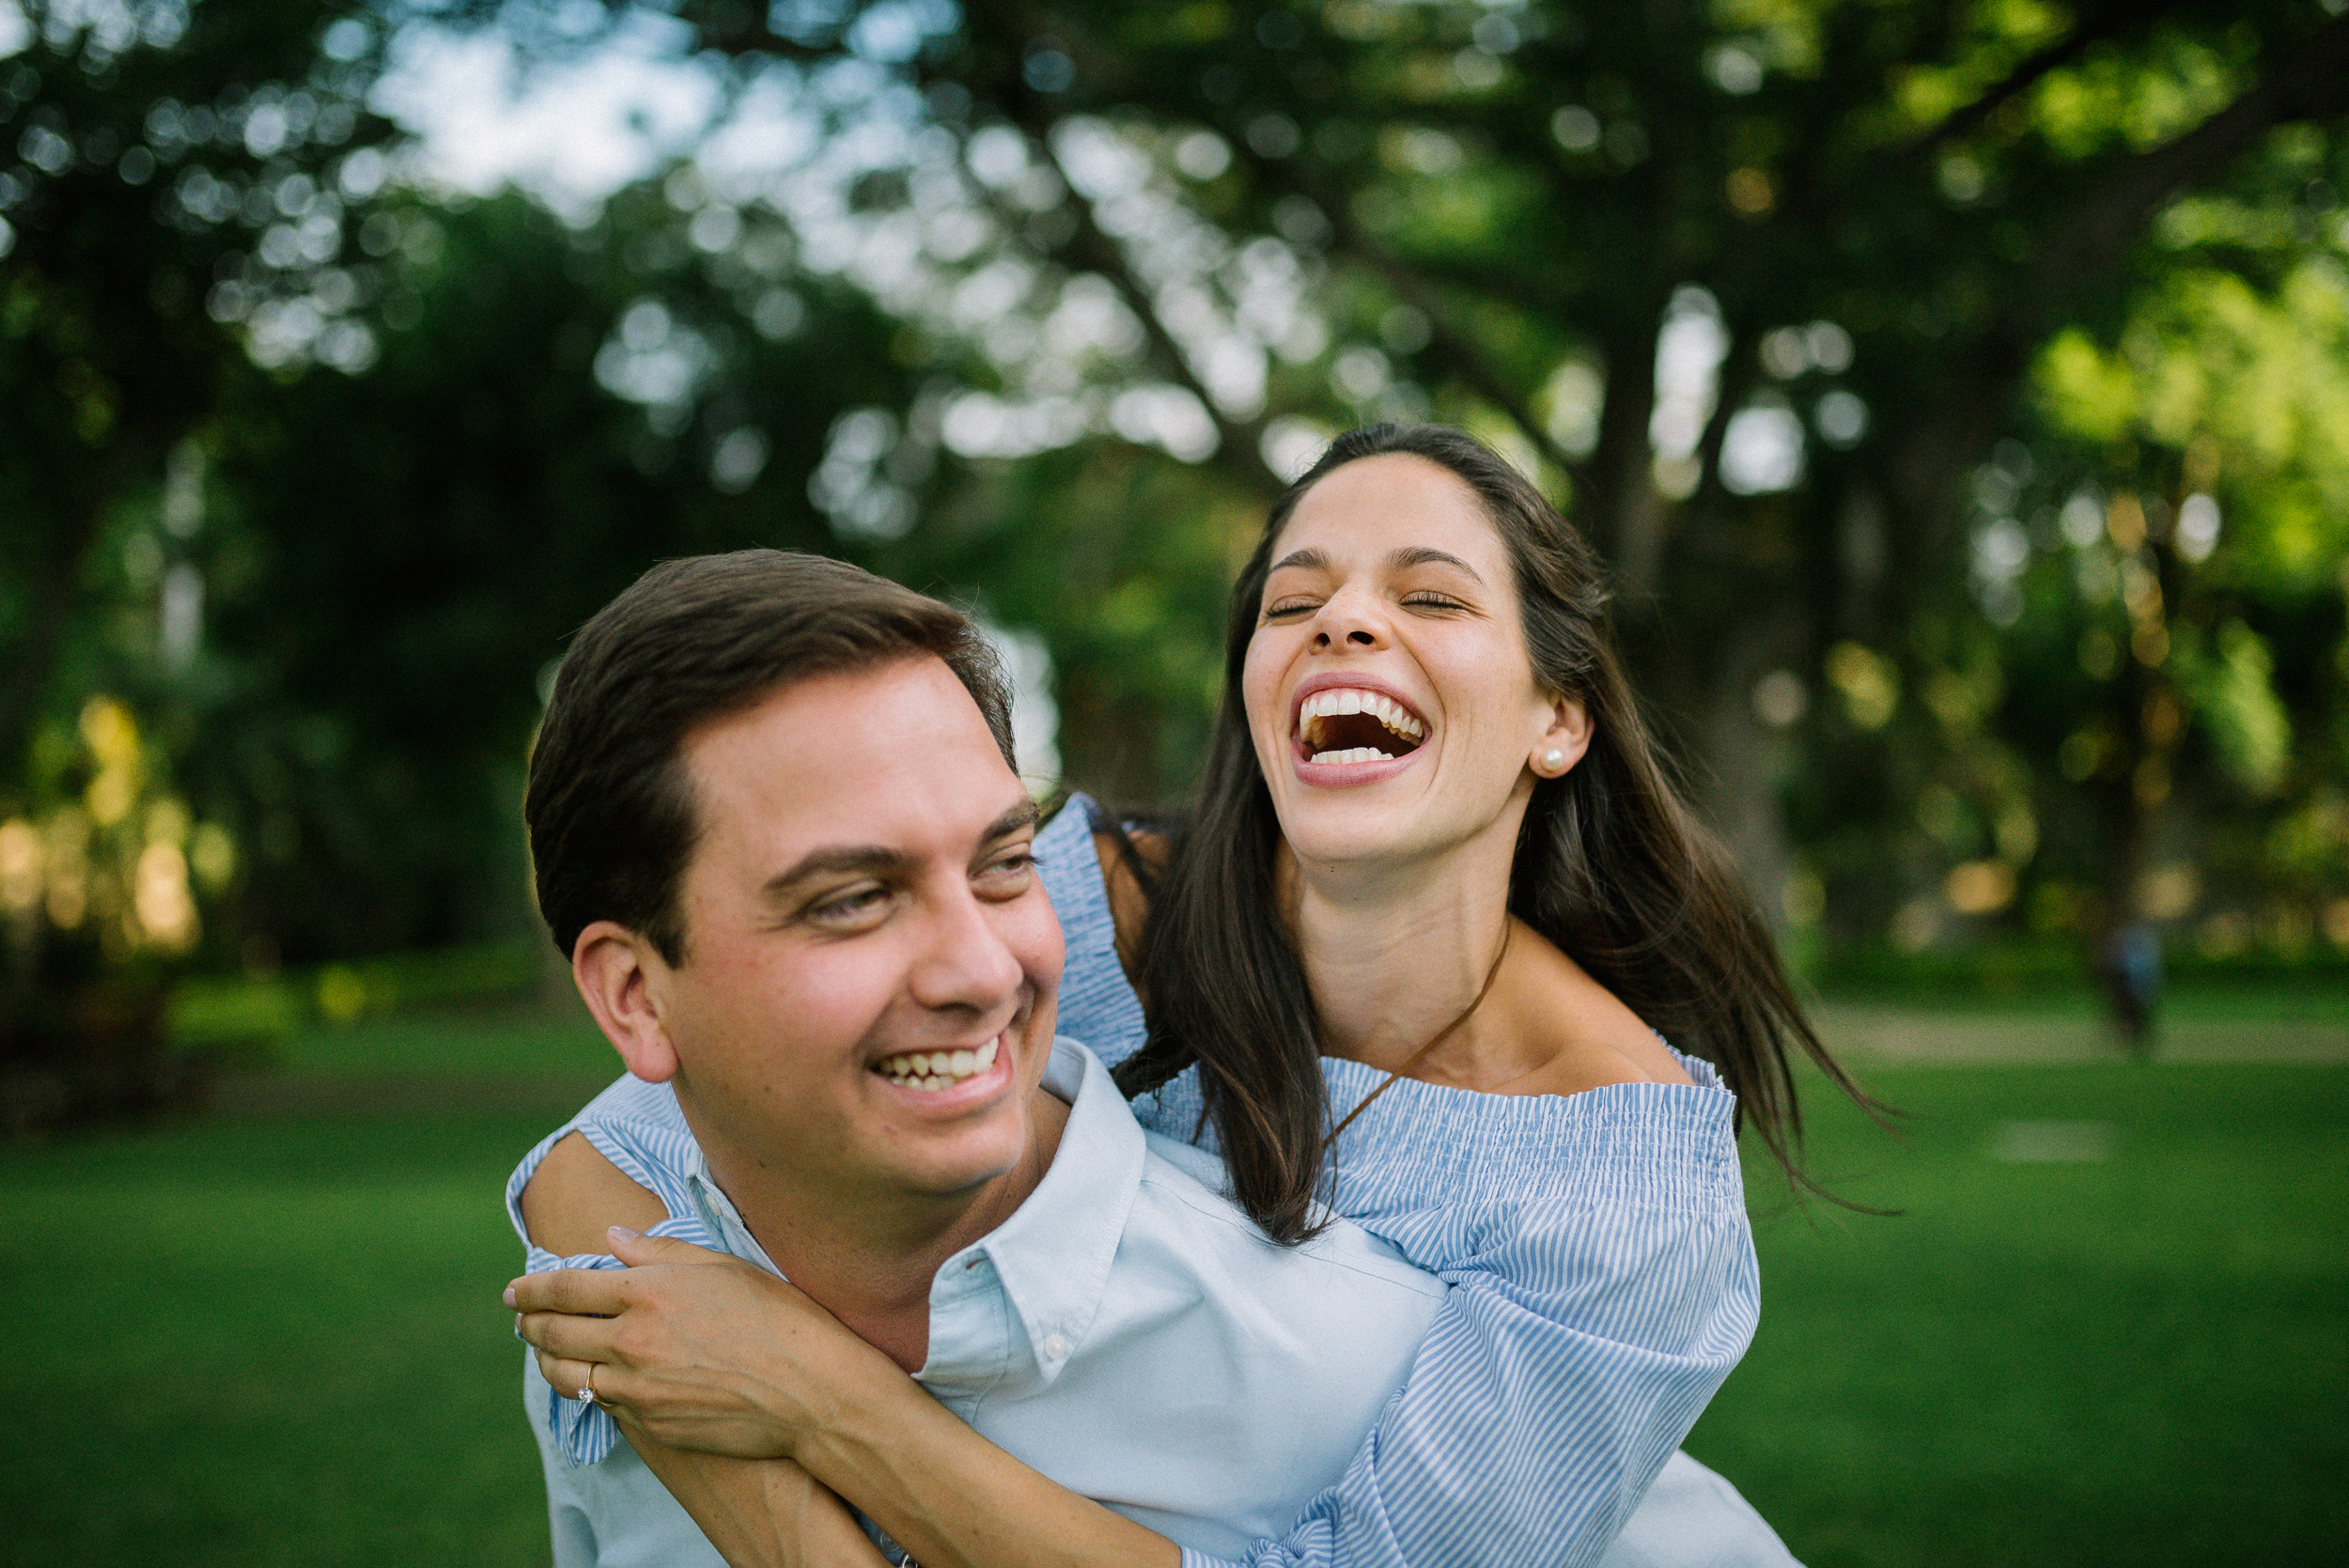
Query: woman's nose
1350,619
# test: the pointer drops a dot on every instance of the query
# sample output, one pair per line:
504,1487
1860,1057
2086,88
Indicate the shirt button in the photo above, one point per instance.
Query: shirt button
1055,1348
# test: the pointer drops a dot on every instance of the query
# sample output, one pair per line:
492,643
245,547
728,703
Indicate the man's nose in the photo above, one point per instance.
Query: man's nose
965,961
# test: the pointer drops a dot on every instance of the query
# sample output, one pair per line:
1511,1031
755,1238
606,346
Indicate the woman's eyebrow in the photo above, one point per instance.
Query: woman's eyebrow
1307,559
1423,555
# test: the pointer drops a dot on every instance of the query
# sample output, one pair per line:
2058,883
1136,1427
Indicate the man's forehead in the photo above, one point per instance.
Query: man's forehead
896,751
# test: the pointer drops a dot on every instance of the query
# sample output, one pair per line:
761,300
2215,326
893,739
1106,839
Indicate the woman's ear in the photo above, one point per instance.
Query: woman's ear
615,970
1562,744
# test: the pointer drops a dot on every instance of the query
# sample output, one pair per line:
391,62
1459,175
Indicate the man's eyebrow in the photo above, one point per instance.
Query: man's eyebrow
857,861
1423,555
878,861
1024,814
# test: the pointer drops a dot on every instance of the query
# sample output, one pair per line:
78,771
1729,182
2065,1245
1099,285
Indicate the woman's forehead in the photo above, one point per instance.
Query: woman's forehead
1372,507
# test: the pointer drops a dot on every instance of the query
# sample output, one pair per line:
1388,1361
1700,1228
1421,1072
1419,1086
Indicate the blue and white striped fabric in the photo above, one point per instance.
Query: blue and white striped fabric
1603,1274
638,1127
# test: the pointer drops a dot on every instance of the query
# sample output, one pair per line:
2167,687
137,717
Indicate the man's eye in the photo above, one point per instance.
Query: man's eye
855,907
1008,875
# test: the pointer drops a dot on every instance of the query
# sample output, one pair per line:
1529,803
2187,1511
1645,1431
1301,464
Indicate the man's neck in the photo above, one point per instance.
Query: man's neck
869,1259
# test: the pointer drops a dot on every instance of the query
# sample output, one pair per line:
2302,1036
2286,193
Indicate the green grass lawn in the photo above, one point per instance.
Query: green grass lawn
264,1342
2138,1359
274,1338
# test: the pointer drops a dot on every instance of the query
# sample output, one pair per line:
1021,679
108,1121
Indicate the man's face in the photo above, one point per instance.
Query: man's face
871,965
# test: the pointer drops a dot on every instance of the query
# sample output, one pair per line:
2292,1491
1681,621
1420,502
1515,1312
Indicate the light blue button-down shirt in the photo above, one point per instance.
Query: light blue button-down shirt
1123,1295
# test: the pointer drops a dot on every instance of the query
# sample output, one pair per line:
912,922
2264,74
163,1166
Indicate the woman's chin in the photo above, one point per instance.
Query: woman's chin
1350,827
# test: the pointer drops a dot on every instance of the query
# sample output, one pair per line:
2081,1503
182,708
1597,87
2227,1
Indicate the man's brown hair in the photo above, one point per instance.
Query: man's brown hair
610,806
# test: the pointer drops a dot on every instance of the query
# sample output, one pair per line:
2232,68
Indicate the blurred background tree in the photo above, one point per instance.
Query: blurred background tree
1956,389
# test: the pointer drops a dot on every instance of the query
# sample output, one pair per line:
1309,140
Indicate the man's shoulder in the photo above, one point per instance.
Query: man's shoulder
1185,1209
632,1101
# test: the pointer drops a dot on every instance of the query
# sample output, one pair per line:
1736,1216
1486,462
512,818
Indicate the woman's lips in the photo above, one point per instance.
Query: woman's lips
1338,775
1338,724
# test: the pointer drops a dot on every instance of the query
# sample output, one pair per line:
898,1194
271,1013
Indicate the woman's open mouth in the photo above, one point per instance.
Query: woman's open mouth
1347,724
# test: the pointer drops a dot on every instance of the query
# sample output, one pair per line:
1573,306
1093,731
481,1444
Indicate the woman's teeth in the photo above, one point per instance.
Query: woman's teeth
938,1069
1322,726
1345,699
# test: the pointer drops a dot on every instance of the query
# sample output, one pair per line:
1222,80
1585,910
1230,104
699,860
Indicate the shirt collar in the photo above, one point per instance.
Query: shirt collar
1049,1261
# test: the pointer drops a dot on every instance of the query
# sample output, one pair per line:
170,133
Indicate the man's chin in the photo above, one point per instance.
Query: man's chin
967,1166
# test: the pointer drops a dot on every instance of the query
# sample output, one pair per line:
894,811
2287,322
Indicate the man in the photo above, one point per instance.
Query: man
776,825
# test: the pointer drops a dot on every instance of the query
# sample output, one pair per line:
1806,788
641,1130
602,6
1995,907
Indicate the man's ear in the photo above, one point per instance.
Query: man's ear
1568,736
614,969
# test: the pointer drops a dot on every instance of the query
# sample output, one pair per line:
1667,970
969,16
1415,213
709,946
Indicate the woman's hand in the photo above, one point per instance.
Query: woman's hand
700,1354
698,1350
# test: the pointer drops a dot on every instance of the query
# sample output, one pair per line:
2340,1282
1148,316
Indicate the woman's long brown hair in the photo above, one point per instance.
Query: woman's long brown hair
1611,867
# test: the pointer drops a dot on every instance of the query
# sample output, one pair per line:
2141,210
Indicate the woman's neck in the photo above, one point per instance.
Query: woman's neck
1395,953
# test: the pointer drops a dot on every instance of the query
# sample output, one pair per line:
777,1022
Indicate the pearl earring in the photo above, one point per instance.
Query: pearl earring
1553,760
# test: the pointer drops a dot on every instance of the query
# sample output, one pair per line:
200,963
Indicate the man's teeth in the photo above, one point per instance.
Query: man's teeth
937,1069
1354,754
1345,699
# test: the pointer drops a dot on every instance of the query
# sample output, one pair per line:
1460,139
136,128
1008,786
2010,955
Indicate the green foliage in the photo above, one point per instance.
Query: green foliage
1817,316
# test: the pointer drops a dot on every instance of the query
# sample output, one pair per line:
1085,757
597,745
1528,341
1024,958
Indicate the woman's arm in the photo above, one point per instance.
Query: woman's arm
757,1513
719,1368
1604,1286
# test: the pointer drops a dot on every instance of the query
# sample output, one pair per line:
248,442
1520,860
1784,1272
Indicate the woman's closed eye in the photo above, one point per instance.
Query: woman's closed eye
1290,605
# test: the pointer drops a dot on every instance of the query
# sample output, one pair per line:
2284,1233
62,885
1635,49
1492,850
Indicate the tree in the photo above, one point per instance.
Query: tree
149,142
1759,287
311,473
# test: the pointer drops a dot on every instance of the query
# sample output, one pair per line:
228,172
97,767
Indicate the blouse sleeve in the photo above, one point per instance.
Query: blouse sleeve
1097,1003
1604,1286
638,1127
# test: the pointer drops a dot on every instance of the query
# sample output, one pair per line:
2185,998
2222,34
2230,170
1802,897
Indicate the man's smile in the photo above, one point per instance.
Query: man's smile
933,1071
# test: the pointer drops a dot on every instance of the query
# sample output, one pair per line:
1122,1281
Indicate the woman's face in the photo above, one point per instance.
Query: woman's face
1389,693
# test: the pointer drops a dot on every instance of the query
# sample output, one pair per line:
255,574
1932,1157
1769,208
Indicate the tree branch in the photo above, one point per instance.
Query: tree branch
1457,352
1454,348
1963,121
1242,442
2313,82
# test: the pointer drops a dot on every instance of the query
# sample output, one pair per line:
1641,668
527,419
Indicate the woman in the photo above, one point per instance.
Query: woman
1435,890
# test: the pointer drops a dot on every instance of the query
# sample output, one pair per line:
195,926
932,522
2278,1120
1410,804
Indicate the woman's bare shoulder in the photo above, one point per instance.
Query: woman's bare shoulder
1576,1034
576,1193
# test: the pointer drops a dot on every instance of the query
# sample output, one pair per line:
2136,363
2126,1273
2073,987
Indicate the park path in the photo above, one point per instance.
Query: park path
1903,1037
